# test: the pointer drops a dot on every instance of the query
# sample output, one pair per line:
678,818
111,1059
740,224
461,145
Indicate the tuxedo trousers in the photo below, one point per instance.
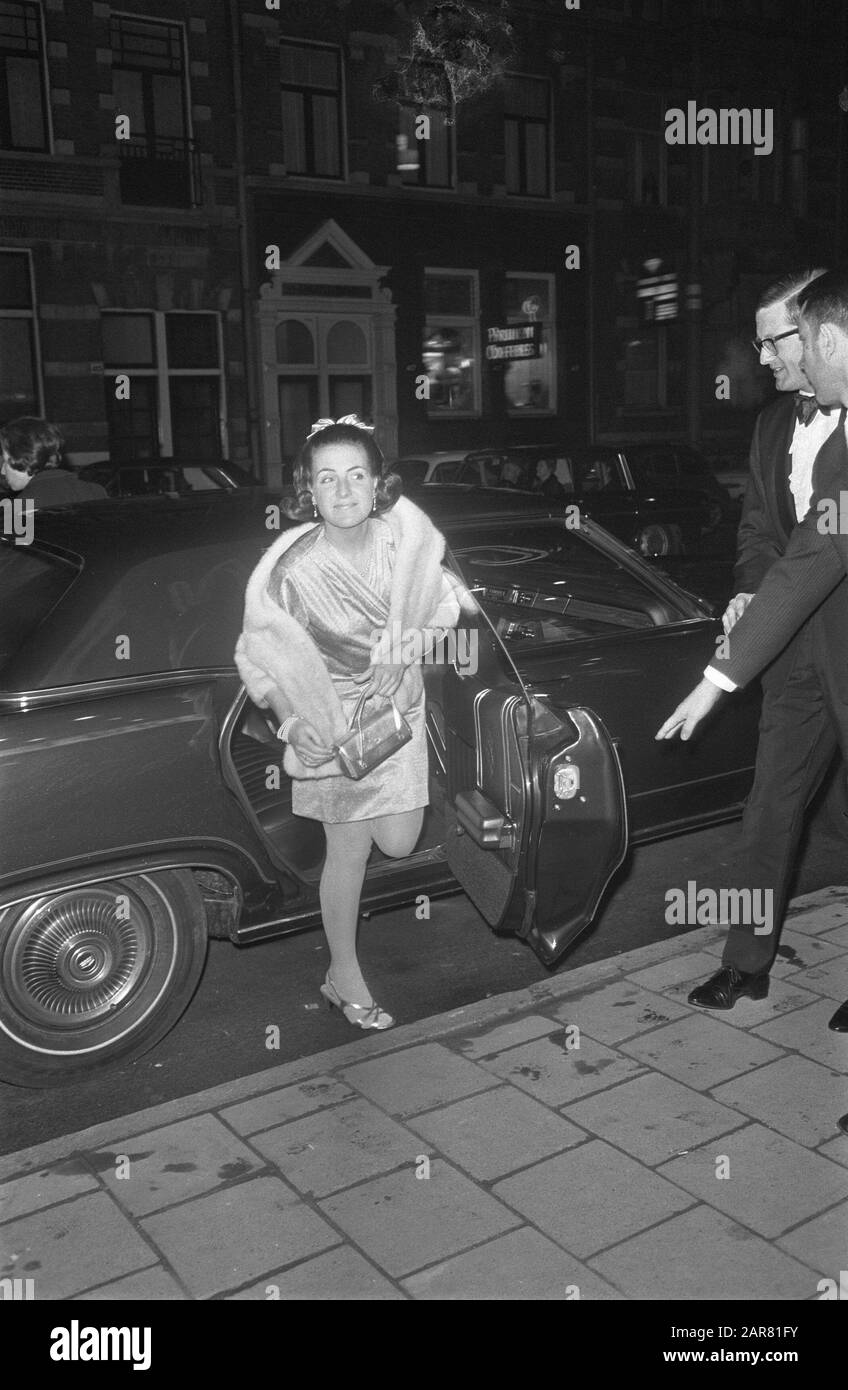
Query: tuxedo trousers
804,722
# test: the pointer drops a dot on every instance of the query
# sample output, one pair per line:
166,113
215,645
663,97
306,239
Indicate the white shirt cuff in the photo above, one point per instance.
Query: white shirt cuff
720,679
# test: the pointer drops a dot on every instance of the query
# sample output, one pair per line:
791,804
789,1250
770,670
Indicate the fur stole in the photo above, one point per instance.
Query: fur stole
280,664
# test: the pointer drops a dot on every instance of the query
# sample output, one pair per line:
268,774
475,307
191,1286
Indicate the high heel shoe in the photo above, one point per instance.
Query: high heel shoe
361,1015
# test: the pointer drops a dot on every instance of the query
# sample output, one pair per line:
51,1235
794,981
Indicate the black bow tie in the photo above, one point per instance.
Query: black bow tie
806,408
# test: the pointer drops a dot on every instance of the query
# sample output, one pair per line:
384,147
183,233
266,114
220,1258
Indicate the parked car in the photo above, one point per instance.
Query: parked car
144,806
732,471
166,477
597,478
669,466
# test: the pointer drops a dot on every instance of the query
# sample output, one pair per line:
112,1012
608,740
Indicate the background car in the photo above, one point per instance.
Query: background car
145,808
669,466
166,477
597,478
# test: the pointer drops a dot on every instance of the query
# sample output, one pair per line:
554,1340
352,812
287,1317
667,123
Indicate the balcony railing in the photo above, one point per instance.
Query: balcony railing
160,171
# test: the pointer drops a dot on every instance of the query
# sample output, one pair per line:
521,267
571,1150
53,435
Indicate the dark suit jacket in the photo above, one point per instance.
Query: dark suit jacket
814,564
768,512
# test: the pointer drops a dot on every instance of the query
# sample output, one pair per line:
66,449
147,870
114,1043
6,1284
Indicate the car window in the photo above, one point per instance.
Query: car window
596,470
446,472
410,470
655,462
541,582
31,582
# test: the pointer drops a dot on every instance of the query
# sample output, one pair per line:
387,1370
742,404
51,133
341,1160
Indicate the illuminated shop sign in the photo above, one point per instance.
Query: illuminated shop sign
515,340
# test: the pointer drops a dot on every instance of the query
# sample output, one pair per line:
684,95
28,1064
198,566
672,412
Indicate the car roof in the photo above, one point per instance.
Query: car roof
137,528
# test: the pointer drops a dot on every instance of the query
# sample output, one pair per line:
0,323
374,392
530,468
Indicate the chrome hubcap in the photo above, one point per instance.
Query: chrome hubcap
74,958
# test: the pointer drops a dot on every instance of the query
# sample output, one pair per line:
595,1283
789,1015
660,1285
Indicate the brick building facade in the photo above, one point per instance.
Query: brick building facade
304,218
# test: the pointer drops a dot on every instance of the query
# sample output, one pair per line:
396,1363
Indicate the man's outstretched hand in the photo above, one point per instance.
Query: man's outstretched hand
691,711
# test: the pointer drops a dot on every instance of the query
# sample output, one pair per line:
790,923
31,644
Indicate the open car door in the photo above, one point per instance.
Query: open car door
536,820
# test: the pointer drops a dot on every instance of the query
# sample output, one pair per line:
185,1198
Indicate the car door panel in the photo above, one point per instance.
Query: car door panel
581,822
535,811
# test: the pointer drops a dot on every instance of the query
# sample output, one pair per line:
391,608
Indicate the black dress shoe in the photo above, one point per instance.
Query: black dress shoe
727,985
842,1123
839,1022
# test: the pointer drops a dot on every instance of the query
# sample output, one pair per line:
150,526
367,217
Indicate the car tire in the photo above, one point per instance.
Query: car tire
655,539
96,974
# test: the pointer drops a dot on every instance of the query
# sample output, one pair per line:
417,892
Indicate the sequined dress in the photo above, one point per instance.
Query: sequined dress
342,610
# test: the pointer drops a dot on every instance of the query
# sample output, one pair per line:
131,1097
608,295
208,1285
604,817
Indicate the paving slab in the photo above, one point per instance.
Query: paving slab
829,978
72,1247
591,1197
153,1285
802,916
762,1179
806,1031
837,937
418,1078
836,1149
169,1165
703,1254
522,1265
654,1117
336,1148
494,1132
617,1011
554,1071
339,1275
679,966
489,1041
286,1103
403,1222
224,1239
822,1243
700,1051
795,1096
45,1188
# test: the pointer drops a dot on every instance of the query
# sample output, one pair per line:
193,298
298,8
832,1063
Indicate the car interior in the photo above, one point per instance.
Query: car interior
296,841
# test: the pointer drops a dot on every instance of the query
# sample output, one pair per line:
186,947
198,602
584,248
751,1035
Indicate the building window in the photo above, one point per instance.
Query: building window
311,76
175,407
159,161
23,89
527,135
647,168
428,131
326,370
530,383
20,364
450,353
645,370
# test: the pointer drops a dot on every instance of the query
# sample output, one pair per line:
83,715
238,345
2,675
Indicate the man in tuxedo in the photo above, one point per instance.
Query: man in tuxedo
794,617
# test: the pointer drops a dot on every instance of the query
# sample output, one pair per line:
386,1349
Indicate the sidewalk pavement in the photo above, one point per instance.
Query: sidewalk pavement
591,1136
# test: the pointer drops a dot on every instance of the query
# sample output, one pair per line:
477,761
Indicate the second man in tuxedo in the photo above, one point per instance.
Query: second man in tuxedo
798,734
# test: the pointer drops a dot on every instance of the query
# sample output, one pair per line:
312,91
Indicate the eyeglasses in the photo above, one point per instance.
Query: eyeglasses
769,343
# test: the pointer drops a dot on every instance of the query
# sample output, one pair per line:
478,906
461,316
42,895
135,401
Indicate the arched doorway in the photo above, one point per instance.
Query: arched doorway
327,344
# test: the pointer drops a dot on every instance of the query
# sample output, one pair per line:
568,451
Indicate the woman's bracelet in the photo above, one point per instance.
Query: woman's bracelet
283,731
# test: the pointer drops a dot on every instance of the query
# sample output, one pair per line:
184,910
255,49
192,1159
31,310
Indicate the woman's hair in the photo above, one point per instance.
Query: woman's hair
31,443
388,484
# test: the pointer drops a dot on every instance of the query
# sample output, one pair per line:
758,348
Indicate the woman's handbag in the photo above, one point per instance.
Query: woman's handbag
370,741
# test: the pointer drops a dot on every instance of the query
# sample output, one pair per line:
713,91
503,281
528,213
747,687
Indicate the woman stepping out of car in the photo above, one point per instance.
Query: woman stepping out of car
332,612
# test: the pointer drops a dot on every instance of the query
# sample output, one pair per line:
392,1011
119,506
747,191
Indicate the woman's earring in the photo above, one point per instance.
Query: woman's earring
314,508
374,503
